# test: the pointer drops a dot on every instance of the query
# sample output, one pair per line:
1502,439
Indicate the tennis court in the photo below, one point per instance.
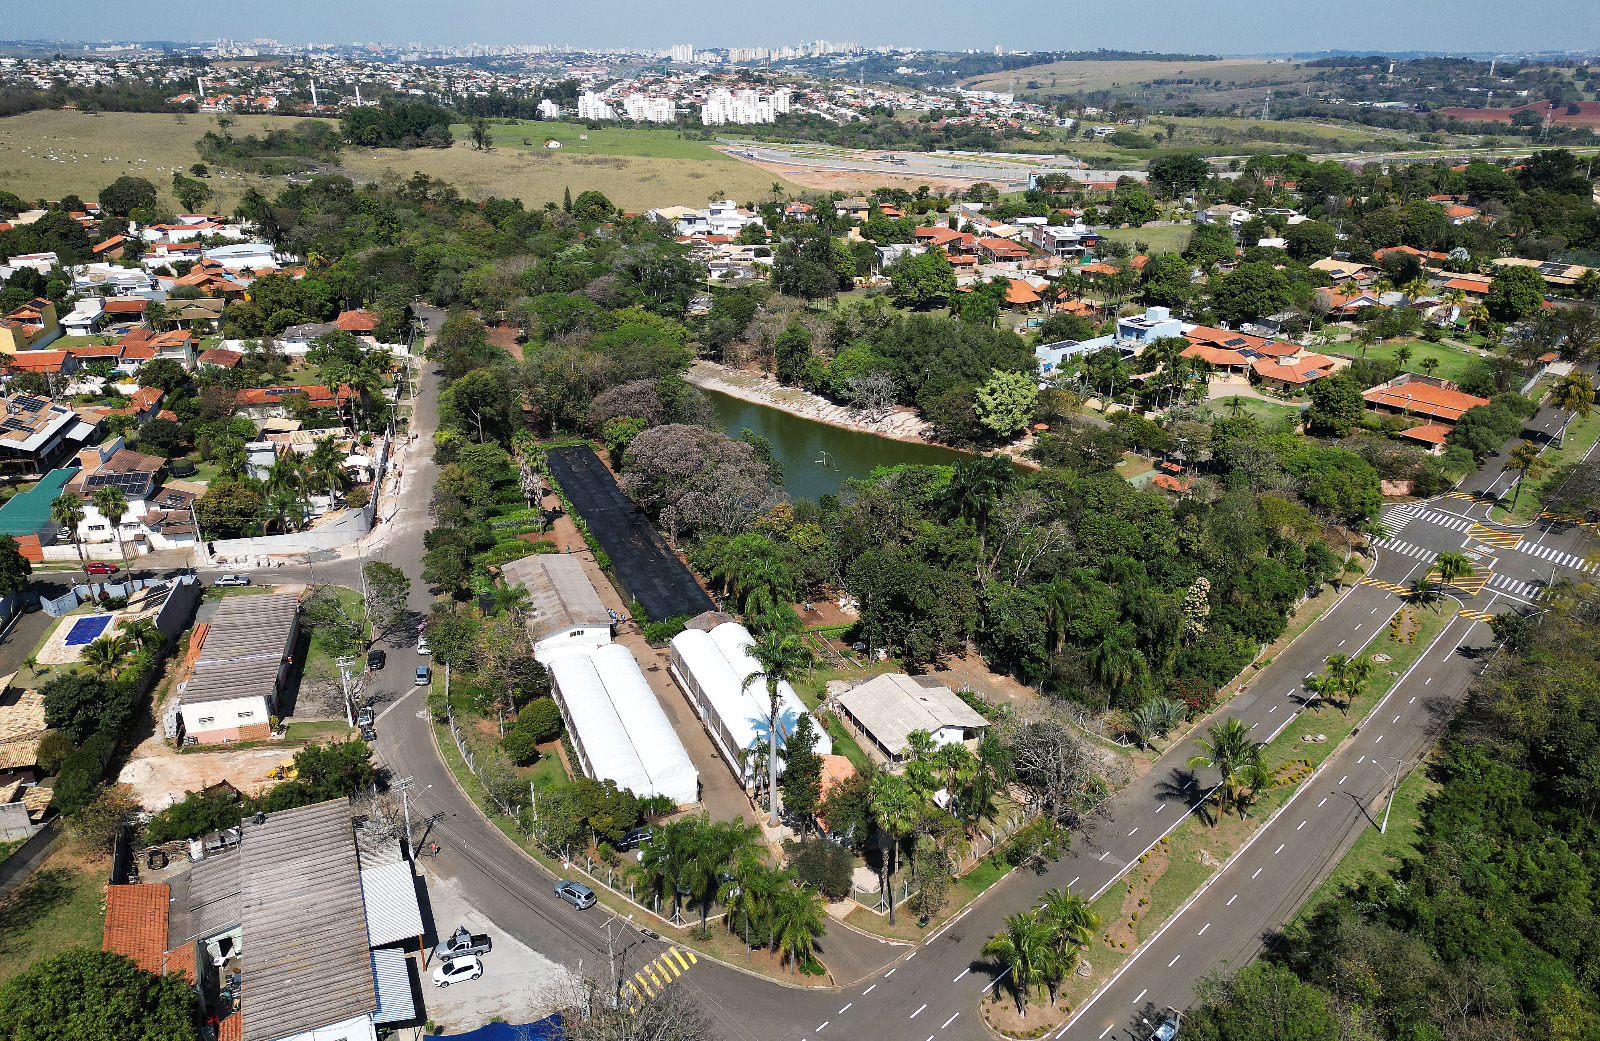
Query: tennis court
644,567
85,630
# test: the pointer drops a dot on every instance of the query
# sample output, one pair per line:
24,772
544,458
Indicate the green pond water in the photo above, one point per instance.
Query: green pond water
818,458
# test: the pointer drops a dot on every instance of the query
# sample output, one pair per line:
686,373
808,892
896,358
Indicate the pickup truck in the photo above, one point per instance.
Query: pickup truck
461,942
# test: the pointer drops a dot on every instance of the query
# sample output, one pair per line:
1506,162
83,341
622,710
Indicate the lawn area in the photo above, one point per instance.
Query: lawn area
58,907
1263,411
651,144
316,729
1170,239
1381,852
319,663
1581,436
1453,362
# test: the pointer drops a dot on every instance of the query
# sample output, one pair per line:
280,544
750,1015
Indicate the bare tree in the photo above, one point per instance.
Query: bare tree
1055,765
873,395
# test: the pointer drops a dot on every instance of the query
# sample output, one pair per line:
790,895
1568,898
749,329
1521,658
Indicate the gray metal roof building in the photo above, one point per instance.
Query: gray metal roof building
560,595
888,708
251,627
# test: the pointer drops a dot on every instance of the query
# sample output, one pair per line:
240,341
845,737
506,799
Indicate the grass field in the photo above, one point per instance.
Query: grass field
578,139
1170,239
636,169
57,908
1453,362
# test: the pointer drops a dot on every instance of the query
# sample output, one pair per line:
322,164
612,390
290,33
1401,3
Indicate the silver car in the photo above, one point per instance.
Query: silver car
575,893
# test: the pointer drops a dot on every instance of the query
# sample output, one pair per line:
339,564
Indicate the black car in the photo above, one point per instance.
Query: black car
636,837
369,735
375,659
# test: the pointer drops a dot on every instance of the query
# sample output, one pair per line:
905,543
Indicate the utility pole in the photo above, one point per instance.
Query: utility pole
404,784
1394,789
611,960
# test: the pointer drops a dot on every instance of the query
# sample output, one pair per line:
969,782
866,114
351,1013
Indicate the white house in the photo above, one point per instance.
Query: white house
564,610
887,708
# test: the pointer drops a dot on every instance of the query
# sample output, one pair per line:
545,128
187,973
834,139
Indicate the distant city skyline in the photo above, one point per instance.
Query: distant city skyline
1221,27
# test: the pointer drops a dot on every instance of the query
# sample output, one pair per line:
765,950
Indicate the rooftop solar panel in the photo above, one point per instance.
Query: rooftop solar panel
1237,341
31,404
14,424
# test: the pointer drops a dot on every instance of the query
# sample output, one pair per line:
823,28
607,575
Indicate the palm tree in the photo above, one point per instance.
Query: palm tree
974,489
1423,591
783,659
113,506
1452,565
1430,365
142,631
798,918
1380,287
1480,319
1402,355
1229,752
1021,948
281,506
1525,460
896,806
1416,289
1574,395
324,467
104,656
1353,676
747,891
716,847
285,474
67,511
1115,662
665,862
1235,407
1073,925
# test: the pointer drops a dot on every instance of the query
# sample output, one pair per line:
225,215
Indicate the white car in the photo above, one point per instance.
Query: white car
422,645
457,969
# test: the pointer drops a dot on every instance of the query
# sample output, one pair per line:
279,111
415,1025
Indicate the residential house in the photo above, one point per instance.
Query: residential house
1001,251
1291,373
1156,323
1225,213
884,256
31,326
36,434
856,207
203,315
52,363
1474,287
800,211
219,358
268,403
1438,402
112,465
888,708
125,312
86,318
1346,270
361,322
1234,352
1426,257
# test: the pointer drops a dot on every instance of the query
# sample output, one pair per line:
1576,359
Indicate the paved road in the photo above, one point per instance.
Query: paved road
931,992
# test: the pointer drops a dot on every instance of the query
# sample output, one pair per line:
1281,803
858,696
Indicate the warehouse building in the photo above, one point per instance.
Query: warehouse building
617,726
564,609
240,669
713,668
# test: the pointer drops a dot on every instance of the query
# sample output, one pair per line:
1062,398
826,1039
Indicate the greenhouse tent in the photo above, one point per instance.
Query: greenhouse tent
665,761
604,749
700,667
734,641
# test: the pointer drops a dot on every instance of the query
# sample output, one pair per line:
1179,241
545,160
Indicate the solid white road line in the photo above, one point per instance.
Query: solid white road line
823,1027
1342,779
1279,849
1324,799
1174,960
1203,929
1073,882
918,1012
1141,995
1103,1033
1302,824
1258,871
1231,899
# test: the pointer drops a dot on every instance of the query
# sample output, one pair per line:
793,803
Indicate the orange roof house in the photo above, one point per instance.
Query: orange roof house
136,924
1021,294
836,770
360,321
221,357
37,361
1413,394
1292,373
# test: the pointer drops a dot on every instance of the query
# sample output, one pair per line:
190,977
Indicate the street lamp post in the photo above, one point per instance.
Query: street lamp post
1394,789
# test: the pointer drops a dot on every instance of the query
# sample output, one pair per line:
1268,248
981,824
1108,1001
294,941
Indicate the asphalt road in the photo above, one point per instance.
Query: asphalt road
931,992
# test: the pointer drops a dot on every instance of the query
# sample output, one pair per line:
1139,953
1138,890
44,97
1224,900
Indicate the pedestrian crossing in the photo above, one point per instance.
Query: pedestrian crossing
1471,584
655,974
1469,497
1406,549
1393,587
1446,520
1556,557
1481,616
1396,520
1526,590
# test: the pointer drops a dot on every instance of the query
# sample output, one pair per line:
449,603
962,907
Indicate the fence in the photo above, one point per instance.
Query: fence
116,590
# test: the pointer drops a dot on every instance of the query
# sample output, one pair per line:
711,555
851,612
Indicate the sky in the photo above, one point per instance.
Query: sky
1214,27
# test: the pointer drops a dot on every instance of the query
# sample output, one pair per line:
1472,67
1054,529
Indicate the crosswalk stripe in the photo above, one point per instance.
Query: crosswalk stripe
692,959
679,955
648,992
666,966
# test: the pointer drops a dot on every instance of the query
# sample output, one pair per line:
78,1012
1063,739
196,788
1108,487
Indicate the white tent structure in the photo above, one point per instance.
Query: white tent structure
734,641
666,762
700,668
605,751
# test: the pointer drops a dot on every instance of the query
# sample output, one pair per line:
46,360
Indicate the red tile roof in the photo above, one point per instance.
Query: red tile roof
1170,483
1020,293
1423,398
1429,433
136,923
321,397
361,321
1240,341
36,361
220,356
126,305
1308,369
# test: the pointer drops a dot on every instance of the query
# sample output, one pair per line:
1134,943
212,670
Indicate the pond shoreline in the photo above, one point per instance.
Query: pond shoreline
902,424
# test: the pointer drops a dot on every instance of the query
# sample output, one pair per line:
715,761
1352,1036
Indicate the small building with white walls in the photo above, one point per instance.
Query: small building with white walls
564,609
887,708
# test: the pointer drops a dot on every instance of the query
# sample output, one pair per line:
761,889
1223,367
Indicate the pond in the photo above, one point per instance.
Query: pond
818,458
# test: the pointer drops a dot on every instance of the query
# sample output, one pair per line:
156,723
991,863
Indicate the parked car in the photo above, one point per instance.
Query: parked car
457,969
424,676
462,943
100,567
232,580
636,837
364,717
575,893
369,735
422,645
376,659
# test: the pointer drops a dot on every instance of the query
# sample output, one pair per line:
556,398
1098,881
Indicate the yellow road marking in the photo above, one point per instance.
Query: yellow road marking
666,963
678,955
646,986
692,959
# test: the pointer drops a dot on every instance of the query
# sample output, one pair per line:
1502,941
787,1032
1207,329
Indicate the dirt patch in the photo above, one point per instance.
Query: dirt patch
827,178
505,337
159,776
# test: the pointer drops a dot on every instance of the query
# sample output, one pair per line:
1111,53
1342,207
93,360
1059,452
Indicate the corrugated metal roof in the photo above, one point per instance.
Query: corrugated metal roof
560,595
891,706
305,934
390,895
250,627
392,979
209,900
222,680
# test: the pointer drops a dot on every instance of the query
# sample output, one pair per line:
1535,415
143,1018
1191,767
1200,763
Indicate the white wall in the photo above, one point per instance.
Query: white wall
564,640
224,715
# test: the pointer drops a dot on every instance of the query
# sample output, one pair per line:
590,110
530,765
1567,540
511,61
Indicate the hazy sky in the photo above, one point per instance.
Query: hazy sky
1219,26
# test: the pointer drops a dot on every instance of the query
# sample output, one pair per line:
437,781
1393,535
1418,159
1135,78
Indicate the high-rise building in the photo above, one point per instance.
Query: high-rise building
649,109
593,106
683,52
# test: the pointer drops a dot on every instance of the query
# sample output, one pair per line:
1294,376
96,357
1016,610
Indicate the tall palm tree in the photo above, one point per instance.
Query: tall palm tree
798,918
1574,395
717,846
747,892
281,506
783,659
67,511
667,861
113,506
1230,751
104,656
1073,925
896,806
1525,460
1416,289
1480,319
286,473
1402,355
1430,365
1116,662
1021,948
1453,565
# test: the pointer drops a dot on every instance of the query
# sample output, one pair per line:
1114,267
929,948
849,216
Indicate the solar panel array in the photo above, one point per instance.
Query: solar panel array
1550,267
16,424
29,403
127,482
